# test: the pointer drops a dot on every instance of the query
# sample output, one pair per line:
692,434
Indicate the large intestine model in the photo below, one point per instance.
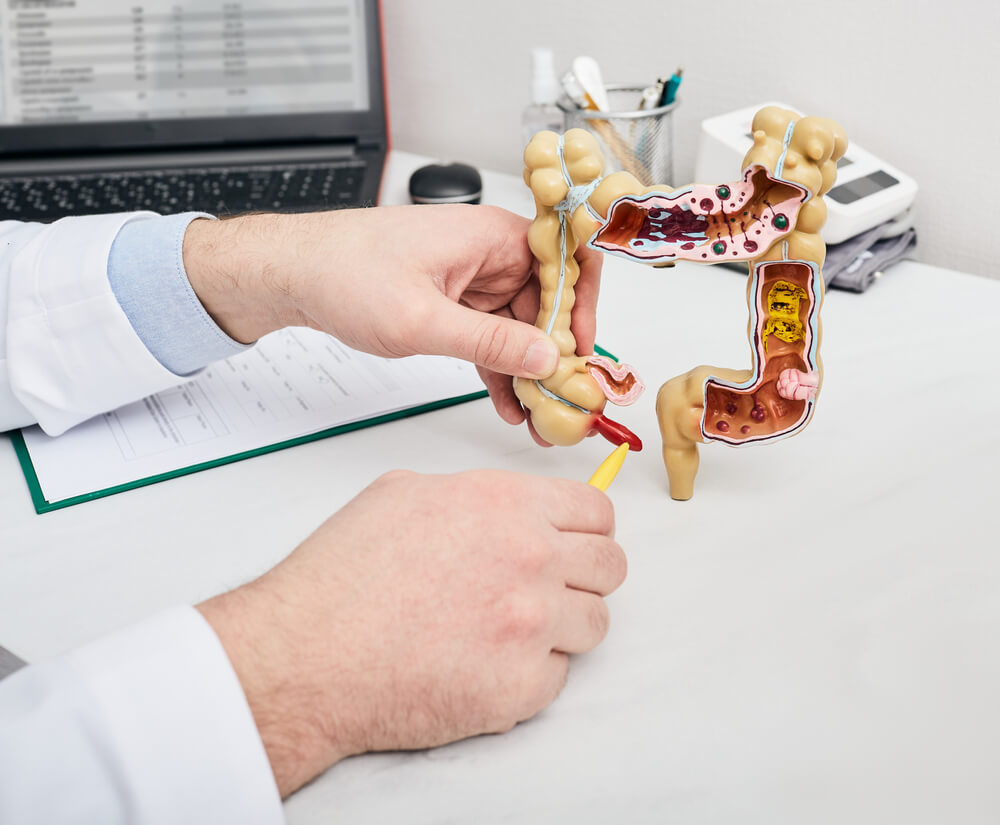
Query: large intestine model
771,218
564,173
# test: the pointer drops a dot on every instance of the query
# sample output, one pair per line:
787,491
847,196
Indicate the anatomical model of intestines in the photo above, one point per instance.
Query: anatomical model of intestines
564,173
771,218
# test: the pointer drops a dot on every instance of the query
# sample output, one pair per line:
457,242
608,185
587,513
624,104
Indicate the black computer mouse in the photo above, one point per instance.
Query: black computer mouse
446,183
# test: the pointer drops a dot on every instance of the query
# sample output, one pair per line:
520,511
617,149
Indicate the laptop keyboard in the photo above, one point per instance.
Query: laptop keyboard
227,190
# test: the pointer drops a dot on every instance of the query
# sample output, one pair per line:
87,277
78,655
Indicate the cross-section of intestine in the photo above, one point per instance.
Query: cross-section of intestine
708,224
620,383
783,322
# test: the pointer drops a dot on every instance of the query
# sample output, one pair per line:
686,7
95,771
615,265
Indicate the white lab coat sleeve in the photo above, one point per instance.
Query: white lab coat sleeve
146,726
67,349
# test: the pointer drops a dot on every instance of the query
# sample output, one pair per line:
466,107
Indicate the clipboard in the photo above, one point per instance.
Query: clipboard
43,505
301,364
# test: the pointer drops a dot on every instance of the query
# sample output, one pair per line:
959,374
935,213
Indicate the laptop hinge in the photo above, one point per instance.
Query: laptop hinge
370,145
187,158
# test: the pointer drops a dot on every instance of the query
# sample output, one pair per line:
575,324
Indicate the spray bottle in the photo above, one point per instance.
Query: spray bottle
542,113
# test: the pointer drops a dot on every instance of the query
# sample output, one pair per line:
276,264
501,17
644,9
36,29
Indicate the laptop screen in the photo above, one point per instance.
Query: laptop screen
121,60
105,73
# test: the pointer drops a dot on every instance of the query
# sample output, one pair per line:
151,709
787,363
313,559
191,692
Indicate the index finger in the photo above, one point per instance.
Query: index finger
573,506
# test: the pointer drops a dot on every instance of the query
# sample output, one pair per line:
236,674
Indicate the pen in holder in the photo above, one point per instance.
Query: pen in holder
639,141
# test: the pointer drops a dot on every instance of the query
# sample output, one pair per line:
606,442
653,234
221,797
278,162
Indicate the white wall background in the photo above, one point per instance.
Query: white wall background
915,82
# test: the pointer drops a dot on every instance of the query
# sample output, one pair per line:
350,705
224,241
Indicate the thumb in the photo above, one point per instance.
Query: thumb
492,341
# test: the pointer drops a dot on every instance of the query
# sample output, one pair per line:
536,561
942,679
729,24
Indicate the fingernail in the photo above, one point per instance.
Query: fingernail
541,358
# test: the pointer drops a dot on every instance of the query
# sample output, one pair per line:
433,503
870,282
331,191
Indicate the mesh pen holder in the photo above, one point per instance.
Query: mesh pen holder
633,140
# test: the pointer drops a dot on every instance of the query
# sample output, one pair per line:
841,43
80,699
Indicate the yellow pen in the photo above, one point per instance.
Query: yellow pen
609,468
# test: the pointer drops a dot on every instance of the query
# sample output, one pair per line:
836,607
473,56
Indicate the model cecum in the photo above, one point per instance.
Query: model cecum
771,218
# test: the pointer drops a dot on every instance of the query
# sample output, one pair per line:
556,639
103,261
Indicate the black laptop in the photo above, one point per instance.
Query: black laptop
225,107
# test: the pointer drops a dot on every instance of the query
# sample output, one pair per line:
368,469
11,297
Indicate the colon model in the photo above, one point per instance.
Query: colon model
569,404
771,218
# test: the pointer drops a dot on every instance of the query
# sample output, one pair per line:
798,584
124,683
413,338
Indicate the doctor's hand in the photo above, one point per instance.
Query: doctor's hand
429,609
393,281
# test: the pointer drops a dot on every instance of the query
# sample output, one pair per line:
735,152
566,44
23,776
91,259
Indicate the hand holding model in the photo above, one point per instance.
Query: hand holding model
429,609
440,280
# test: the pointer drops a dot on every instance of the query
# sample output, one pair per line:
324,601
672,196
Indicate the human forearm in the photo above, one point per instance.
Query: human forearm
430,608
241,271
268,661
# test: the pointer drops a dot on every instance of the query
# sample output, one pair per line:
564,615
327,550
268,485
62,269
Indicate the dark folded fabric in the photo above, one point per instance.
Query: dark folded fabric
8,663
855,263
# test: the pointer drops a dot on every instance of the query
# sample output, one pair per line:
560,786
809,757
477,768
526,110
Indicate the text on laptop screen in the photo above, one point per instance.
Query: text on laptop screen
122,60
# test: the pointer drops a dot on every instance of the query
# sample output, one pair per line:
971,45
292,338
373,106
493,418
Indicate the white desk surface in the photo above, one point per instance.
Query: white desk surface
813,638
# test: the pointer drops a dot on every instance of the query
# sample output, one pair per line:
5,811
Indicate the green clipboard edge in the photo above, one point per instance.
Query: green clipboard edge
43,505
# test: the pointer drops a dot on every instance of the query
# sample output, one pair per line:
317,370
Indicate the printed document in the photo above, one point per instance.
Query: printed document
293,383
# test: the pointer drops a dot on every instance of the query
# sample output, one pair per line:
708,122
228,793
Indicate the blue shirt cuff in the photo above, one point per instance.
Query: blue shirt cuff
147,275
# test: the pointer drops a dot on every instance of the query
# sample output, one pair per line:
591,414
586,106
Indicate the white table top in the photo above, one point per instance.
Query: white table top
811,639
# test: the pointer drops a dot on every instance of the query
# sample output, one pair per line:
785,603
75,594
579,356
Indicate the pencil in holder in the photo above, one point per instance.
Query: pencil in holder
639,141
